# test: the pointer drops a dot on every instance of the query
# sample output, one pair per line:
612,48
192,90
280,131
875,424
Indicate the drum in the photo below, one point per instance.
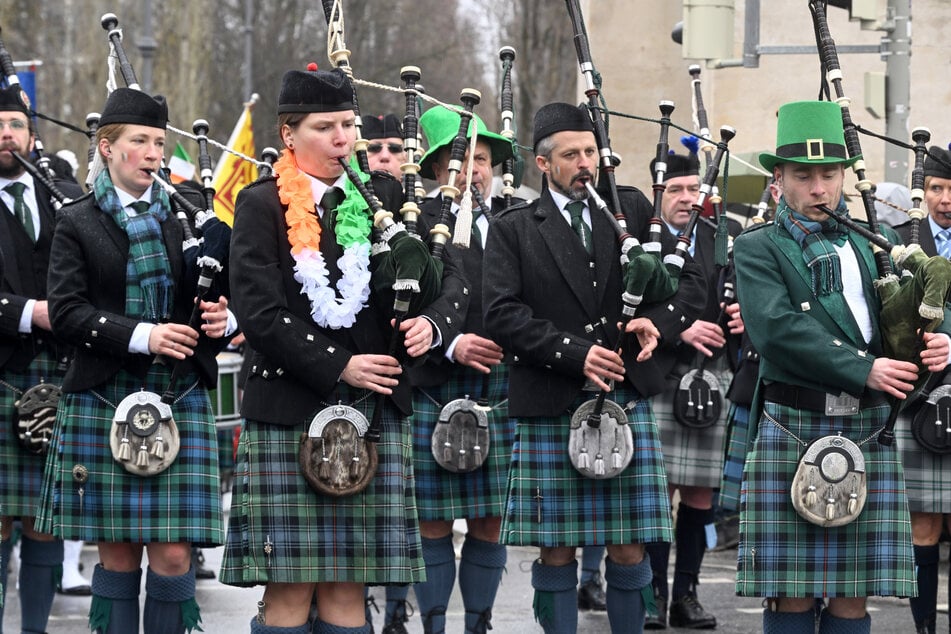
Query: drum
225,399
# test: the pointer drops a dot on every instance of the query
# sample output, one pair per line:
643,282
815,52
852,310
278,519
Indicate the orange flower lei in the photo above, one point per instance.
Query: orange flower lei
294,190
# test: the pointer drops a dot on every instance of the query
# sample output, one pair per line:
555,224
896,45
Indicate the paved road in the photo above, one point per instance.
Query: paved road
228,610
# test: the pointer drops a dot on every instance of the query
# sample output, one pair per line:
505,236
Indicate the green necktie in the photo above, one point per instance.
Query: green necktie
476,232
21,209
328,202
140,207
576,211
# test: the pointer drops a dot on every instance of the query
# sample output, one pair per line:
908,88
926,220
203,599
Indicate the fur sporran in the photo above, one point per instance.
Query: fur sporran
334,456
144,437
829,488
604,451
460,441
36,414
698,400
931,425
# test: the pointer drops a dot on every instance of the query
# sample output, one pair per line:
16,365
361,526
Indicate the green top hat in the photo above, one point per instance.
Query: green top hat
809,133
440,126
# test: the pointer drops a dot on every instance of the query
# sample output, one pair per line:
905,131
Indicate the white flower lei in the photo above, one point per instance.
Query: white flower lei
326,308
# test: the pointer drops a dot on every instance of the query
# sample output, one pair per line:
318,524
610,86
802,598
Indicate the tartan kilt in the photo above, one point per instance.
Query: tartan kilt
442,494
630,508
371,537
737,436
21,470
181,504
782,555
926,473
693,457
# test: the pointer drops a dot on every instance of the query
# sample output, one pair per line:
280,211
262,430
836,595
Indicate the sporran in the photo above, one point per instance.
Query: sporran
931,425
143,426
829,487
36,415
604,451
698,400
334,456
460,440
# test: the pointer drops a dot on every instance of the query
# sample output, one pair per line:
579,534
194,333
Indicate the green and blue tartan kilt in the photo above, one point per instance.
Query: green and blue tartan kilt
573,510
783,555
181,504
737,436
927,474
693,457
21,470
371,537
442,494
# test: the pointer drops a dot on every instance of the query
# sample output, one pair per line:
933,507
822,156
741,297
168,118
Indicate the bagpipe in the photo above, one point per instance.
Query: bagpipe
829,487
698,402
912,303
460,441
143,424
338,453
599,428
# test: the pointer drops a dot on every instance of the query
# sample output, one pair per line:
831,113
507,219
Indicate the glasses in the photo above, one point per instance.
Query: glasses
15,124
376,148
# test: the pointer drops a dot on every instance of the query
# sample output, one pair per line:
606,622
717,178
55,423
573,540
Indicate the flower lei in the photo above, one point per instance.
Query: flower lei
303,232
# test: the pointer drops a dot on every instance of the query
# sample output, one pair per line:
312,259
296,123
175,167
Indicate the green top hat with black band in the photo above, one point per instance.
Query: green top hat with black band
440,126
809,133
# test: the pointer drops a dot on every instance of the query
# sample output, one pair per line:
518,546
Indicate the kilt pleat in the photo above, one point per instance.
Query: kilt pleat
21,470
737,435
926,473
782,555
441,494
371,537
181,504
693,457
632,507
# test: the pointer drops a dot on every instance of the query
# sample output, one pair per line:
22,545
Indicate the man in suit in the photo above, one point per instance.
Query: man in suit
926,472
809,306
29,355
693,456
553,298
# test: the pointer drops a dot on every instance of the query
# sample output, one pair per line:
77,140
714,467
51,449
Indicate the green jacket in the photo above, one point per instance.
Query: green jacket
802,339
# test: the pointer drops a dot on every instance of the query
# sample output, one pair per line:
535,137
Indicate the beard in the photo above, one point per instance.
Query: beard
10,168
574,193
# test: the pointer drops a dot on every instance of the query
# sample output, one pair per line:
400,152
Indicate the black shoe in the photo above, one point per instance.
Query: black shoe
591,595
656,619
198,561
400,616
689,614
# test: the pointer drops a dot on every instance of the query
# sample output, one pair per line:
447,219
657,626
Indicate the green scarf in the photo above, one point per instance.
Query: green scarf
817,240
149,291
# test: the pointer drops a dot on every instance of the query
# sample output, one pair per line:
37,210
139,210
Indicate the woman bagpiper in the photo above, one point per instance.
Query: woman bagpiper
127,470
302,283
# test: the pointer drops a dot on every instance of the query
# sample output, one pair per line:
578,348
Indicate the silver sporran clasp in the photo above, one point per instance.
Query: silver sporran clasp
606,450
144,437
36,415
460,441
829,488
334,456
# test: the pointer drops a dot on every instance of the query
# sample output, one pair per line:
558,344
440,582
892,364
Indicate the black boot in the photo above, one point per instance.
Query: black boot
591,594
